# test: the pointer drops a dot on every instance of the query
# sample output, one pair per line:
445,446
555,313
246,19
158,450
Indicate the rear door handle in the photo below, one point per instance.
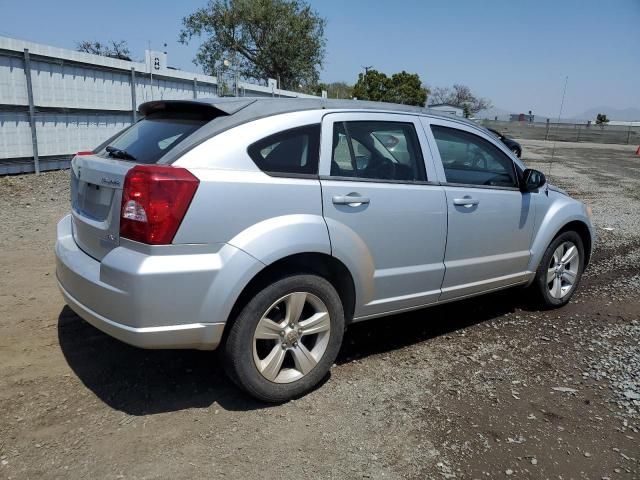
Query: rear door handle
466,201
352,199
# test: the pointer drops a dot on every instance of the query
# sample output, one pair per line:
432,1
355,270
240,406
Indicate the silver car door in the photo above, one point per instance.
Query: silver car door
490,221
385,212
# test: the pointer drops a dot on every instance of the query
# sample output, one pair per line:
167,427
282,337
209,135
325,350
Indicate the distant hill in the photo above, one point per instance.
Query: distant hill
621,114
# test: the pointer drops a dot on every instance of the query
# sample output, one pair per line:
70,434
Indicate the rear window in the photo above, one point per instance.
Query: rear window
150,138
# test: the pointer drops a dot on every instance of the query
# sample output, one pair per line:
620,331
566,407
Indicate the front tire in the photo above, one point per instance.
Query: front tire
285,339
560,270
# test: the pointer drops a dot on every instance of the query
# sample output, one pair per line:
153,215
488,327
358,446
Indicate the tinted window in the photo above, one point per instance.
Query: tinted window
150,138
377,150
291,151
469,159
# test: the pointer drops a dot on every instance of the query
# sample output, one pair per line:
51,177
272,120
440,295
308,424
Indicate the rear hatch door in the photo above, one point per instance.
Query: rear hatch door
97,179
96,194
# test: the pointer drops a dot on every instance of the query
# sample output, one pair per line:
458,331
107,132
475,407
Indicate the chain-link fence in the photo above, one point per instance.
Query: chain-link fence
568,132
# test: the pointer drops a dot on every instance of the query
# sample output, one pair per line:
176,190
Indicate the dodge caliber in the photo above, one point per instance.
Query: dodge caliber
265,227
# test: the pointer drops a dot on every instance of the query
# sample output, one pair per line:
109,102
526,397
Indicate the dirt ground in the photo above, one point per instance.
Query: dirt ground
486,388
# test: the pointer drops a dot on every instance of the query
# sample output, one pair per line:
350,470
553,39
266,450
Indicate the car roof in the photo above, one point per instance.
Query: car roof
233,111
262,107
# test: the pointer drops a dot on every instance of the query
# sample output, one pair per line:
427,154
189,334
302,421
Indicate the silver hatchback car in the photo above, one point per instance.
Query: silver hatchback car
267,226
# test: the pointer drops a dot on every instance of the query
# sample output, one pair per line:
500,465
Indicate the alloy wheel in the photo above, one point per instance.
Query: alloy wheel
291,337
562,271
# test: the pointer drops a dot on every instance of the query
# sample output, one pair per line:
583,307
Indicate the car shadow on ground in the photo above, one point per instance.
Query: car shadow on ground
142,382
385,334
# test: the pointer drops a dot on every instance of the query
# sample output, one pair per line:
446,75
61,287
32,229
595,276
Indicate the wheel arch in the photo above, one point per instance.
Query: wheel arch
315,263
541,243
583,231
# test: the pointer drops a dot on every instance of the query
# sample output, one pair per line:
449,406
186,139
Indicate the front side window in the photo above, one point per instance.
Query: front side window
471,160
292,151
377,150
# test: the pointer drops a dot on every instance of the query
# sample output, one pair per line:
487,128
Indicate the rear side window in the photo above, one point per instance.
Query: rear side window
150,138
377,150
471,160
293,151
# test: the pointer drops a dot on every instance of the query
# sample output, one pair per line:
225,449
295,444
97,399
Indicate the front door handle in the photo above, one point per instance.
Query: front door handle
466,201
352,199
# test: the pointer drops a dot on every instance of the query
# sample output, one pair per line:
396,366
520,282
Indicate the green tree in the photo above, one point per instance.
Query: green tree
281,39
406,88
111,49
372,85
401,87
601,119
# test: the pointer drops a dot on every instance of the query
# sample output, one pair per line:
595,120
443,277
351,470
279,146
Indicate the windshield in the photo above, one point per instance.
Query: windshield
150,138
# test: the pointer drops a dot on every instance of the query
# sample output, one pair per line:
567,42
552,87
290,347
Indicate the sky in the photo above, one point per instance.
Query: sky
516,53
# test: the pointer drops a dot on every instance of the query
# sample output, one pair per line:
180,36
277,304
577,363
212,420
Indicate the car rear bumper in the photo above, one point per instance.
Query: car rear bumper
194,335
151,301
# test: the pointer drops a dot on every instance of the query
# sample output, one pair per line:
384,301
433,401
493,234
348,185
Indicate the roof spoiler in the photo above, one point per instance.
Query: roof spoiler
214,106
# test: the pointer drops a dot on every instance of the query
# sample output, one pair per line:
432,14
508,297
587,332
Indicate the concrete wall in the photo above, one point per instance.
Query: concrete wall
79,100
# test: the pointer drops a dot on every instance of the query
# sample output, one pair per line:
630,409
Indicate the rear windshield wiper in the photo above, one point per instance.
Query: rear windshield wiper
119,153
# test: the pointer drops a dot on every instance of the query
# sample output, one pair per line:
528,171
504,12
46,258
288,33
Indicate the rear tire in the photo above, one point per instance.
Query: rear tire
285,339
560,270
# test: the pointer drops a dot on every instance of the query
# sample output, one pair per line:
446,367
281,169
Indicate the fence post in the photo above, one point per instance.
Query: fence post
133,95
546,134
32,114
195,87
629,133
578,139
236,81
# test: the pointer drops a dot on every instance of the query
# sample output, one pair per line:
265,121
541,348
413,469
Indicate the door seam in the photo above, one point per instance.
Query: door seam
324,219
446,241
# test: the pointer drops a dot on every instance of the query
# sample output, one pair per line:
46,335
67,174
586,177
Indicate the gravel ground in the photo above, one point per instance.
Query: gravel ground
486,388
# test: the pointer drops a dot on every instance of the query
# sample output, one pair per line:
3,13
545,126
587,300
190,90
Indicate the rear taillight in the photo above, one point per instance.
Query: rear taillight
154,202
84,152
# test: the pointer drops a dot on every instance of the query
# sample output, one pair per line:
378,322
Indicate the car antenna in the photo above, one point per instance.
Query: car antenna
553,149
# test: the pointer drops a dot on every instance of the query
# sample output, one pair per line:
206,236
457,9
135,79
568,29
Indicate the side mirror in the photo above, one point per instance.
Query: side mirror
532,180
